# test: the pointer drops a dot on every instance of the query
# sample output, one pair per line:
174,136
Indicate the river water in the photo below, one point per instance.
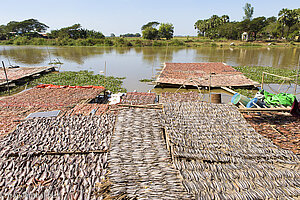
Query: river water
143,63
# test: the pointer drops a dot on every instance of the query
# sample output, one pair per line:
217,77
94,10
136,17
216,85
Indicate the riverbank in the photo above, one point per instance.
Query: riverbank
140,42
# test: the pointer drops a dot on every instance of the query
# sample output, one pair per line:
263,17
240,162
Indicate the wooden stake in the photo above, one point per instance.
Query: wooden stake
209,87
6,78
297,76
262,80
105,74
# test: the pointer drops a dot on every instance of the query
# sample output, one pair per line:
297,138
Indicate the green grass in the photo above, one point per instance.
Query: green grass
246,92
186,41
255,73
80,78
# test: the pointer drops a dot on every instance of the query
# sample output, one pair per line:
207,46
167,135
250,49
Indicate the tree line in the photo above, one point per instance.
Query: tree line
287,25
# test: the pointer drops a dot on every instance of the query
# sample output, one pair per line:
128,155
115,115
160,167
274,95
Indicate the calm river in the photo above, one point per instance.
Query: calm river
141,63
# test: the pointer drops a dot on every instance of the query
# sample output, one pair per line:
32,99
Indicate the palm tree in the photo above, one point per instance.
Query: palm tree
287,18
225,19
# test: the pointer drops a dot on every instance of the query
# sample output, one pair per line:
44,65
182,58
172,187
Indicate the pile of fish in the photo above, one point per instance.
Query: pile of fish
50,98
40,99
220,156
65,134
139,162
283,130
58,158
138,98
88,109
56,177
179,97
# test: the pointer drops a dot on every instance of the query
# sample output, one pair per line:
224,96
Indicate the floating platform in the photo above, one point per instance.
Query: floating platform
17,74
202,74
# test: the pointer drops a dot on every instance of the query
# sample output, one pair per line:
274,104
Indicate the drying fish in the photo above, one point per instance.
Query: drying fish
138,98
78,133
139,161
220,156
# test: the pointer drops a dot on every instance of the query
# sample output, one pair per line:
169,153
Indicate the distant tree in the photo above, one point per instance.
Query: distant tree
166,30
229,30
3,34
272,30
150,33
75,32
208,27
112,35
29,25
271,20
244,25
248,9
150,24
131,35
224,19
256,25
288,18
202,26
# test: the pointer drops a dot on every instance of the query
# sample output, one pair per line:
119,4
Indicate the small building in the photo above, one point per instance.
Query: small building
245,36
202,74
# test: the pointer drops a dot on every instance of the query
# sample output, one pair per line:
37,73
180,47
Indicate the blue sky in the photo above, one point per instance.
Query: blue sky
127,16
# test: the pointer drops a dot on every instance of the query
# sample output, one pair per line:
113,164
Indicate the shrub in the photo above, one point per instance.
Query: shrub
176,42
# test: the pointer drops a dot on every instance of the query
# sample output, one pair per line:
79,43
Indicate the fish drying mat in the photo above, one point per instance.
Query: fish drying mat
220,156
60,158
139,162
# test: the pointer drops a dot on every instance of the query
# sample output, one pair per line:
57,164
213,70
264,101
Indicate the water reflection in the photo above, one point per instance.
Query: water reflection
142,62
26,55
273,57
78,54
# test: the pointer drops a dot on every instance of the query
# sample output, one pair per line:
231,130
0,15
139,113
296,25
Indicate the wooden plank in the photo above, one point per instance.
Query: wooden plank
151,106
228,90
264,109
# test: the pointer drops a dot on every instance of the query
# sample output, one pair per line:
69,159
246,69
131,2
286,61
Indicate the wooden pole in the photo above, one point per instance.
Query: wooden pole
262,80
297,76
49,56
209,87
105,74
6,77
228,90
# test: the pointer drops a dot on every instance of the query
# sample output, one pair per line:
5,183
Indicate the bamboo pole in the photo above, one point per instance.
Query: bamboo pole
284,78
262,80
228,90
297,76
105,74
209,87
6,78
142,106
